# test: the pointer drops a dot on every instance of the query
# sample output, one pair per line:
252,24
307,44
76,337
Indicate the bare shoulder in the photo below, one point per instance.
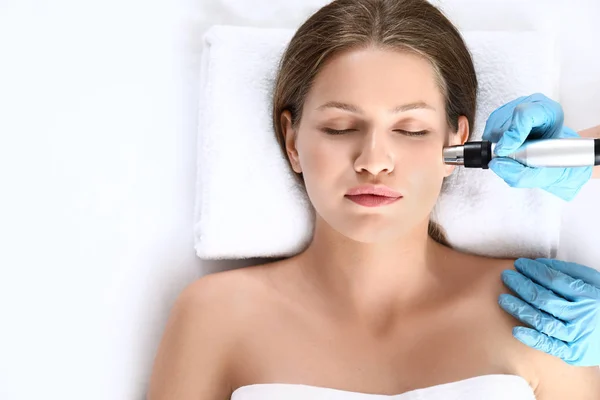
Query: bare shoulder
557,379
485,274
549,376
485,280
228,290
203,332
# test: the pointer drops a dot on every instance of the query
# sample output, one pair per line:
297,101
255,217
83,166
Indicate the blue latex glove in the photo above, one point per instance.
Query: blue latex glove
532,117
562,303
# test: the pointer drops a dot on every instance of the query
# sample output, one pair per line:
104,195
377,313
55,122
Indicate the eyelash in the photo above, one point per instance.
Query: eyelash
330,131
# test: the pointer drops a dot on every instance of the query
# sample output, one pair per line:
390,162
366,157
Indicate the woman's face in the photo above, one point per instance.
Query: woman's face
359,92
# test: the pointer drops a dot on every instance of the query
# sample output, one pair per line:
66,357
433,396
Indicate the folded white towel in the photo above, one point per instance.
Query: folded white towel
248,204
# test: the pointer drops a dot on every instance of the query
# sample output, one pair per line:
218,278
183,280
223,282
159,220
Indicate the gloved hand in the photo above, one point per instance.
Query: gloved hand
532,117
562,303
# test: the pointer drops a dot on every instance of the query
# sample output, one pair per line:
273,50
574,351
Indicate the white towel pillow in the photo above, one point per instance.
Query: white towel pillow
248,204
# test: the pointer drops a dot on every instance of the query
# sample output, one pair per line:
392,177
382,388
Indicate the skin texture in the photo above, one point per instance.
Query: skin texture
369,252
373,304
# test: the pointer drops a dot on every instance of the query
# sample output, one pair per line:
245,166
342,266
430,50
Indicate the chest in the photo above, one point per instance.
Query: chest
427,349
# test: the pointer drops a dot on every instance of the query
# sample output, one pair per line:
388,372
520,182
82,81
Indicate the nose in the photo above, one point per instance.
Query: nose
375,155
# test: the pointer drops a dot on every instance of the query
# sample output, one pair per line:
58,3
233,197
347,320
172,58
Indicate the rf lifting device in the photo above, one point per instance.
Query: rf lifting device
563,153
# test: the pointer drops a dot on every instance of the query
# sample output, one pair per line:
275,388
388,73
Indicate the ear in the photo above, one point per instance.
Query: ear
290,137
457,138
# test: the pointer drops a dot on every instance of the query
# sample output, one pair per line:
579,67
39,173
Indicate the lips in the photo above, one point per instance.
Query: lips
370,200
378,190
373,195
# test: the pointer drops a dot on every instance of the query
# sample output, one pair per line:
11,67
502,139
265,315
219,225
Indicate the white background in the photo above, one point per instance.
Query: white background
97,166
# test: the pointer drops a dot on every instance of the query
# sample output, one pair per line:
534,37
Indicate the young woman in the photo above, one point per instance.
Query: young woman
377,306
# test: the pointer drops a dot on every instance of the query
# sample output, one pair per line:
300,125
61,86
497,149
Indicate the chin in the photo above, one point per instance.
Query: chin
365,232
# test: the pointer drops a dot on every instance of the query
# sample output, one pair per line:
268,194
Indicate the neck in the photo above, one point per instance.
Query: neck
359,279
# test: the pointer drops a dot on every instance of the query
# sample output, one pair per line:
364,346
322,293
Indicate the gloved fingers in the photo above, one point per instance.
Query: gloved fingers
514,173
570,178
576,271
529,120
568,285
553,107
565,183
569,182
492,131
535,294
535,318
496,123
568,133
542,342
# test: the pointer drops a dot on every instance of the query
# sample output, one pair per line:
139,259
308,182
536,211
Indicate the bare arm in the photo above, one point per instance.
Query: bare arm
595,134
191,362
558,380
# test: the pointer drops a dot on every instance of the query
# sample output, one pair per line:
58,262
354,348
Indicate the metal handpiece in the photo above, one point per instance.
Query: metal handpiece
560,153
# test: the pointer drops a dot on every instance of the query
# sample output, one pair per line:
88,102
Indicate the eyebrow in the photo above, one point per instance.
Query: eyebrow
357,110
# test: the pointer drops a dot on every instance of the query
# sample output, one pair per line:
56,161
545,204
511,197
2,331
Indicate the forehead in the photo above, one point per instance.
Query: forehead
376,76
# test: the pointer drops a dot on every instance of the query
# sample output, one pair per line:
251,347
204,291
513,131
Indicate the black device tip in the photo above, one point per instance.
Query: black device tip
478,154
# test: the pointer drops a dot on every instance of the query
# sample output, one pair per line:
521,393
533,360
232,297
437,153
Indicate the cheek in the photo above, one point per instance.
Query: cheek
426,167
322,165
318,157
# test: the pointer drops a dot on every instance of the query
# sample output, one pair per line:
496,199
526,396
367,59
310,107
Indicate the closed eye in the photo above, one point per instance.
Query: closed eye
411,133
337,132
407,133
